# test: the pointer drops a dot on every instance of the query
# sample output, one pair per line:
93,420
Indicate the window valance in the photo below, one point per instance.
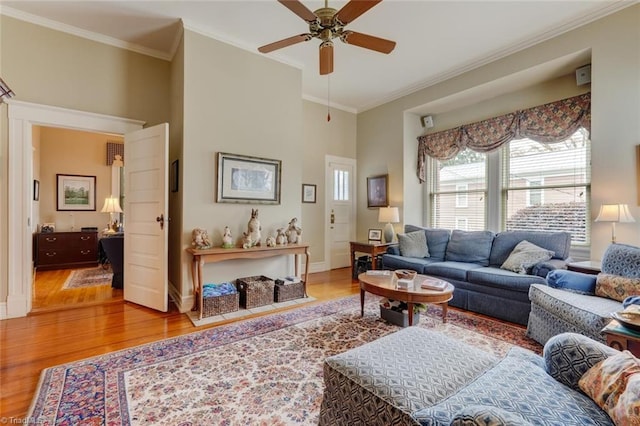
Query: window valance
548,123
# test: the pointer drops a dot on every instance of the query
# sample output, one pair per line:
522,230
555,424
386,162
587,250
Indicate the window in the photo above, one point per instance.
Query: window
340,185
532,186
458,190
547,186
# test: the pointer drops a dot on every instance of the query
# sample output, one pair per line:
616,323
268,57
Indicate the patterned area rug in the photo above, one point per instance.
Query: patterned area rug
90,277
265,370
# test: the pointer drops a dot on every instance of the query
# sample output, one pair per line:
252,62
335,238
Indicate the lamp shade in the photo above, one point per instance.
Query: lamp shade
614,213
111,205
388,215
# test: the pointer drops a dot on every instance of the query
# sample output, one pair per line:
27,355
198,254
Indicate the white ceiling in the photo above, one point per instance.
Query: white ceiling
436,40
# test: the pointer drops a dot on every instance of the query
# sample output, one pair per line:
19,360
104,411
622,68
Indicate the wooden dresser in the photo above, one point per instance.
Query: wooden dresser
60,250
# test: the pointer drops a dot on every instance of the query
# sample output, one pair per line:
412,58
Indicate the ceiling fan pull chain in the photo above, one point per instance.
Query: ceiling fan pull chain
328,97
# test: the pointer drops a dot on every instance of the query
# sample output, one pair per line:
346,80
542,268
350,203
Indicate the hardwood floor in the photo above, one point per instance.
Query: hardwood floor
48,293
48,338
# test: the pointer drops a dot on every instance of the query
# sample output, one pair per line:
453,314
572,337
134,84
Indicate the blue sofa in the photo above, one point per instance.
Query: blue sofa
420,377
471,260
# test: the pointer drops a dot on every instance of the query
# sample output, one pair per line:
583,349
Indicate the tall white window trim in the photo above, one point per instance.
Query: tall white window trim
341,185
546,187
458,188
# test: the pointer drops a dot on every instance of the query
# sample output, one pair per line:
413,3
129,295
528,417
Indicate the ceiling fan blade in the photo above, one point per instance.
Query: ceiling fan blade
284,43
299,9
354,9
368,42
326,58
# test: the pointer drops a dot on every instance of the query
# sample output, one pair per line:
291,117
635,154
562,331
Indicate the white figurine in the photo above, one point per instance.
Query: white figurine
200,238
271,241
246,241
281,238
227,239
294,232
254,229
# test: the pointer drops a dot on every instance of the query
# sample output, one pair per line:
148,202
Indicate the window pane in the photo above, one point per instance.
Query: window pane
458,192
341,185
547,186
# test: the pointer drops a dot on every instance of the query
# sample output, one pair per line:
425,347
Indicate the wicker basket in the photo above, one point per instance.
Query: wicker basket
286,292
255,291
218,305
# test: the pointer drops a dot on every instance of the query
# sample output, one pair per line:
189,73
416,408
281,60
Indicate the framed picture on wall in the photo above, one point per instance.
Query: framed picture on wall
308,193
377,191
75,193
36,190
245,179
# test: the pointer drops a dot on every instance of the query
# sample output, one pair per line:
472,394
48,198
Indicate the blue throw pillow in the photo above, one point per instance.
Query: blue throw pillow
576,282
631,300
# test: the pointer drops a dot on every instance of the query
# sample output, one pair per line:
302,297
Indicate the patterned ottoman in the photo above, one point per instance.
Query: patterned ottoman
421,377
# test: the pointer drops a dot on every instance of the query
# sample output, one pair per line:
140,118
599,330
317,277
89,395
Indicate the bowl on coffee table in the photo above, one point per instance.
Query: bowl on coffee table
405,274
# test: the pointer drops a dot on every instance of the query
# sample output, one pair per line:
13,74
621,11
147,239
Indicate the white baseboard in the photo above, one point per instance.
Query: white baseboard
318,267
3,310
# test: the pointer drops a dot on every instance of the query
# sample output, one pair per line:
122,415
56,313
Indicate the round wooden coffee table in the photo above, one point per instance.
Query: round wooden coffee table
386,286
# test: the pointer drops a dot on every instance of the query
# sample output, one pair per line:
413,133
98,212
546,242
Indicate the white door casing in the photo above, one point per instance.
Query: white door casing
146,209
340,213
22,117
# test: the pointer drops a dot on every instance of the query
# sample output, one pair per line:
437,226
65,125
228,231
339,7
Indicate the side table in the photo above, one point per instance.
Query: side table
591,267
372,248
622,338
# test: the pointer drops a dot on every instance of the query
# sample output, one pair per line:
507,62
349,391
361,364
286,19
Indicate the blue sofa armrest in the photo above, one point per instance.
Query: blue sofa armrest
484,415
543,268
568,356
393,250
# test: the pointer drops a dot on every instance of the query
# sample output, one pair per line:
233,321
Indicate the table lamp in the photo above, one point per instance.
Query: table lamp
614,213
389,215
111,206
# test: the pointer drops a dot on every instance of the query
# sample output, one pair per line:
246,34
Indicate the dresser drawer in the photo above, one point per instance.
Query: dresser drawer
59,250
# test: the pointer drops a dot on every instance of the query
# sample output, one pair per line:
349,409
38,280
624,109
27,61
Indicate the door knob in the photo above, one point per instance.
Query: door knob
161,220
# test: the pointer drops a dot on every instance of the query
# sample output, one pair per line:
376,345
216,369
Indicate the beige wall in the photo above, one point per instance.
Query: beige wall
73,152
614,42
336,137
53,68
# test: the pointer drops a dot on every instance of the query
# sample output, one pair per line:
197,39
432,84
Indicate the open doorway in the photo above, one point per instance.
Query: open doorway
69,269
22,117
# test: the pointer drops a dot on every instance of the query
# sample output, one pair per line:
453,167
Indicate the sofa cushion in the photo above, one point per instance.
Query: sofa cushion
469,246
413,244
614,384
393,262
437,240
622,259
576,282
587,313
524,255
501,278
483,415
453,270
617,287
504,243
519,385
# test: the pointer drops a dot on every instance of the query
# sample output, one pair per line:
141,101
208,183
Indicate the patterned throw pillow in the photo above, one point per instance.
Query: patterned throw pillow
616,287
413,244
524,256
614,384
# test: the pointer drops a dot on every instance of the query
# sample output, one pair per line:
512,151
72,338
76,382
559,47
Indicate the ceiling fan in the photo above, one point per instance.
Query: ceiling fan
328,23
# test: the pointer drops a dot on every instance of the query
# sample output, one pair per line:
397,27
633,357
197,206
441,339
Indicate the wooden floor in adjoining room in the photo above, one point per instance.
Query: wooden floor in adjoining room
52,337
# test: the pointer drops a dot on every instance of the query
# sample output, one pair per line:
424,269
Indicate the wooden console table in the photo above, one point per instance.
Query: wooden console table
217,254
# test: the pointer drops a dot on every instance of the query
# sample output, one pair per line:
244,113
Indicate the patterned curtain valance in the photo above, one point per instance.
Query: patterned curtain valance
549,123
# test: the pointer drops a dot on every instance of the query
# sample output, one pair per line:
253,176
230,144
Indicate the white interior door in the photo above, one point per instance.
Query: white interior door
145,243
341,210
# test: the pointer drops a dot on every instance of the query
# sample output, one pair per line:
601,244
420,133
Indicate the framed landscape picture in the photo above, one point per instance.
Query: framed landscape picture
76,193
245,179
375,234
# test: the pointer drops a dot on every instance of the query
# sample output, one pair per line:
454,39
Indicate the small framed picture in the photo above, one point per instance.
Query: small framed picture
36,190
377,191
174,176
308,193
375,234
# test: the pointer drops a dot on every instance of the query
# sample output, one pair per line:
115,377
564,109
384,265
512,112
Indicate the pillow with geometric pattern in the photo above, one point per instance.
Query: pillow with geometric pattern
616,287
524,256
614,384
